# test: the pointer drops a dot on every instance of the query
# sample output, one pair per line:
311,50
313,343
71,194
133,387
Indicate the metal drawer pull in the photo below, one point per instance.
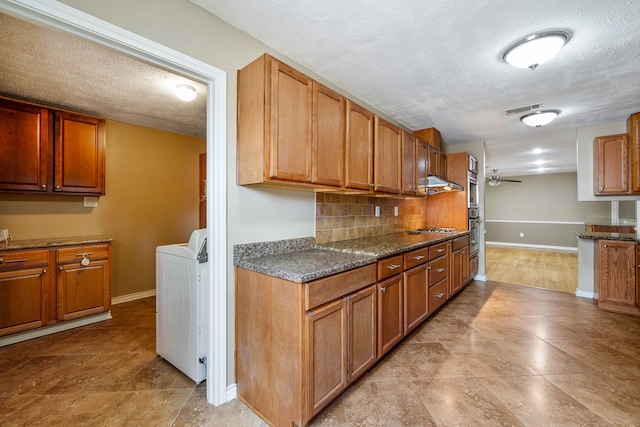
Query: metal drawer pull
9,261
85,254
418,257
439,270
393,266
440,294
439,250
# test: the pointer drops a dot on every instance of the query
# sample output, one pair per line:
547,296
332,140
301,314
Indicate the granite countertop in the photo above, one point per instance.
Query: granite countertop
301,260
599,235
52,242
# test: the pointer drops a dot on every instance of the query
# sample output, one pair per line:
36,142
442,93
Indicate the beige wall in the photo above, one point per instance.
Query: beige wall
151,199
552,198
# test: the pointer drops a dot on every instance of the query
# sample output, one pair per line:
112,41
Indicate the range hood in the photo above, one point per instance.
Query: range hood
437,185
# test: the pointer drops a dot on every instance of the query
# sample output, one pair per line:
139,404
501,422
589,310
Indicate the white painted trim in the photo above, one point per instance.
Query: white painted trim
52,329
132,297
585,294
526,245
232,392
518,221
69,20
480,278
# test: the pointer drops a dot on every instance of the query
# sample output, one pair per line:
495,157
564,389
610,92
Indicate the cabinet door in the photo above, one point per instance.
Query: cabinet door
359,148
361,312
633,129
416,295
387,167
83,291
409,164
390,325
422,162
24,147
290,133
326,353
611,157
433,162
473,267
455,281
79,154
328,136
617,272
22,300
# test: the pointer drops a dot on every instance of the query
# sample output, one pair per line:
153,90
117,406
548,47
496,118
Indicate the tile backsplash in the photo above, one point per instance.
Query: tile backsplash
343,217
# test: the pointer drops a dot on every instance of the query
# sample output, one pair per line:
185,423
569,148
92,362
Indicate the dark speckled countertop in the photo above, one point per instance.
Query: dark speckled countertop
52,242
598,235
301,260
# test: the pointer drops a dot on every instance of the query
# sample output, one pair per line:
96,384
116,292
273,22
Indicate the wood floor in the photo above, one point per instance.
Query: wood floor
541,268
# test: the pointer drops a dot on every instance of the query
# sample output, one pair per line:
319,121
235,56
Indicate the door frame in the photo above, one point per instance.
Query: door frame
72,21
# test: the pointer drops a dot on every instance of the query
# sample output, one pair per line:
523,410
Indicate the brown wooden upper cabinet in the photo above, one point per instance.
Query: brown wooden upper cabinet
49,151
414,165
633,129
611,154
274,123
328,142
387,157
359,148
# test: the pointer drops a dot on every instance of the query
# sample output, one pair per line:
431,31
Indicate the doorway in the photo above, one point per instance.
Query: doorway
66,19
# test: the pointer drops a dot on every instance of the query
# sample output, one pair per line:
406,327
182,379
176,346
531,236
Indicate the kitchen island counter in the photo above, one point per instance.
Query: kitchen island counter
599,235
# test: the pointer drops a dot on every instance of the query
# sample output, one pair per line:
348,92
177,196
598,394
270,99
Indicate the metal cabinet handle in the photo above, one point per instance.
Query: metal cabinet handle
439,270
440,294
439,250
383,289
9,261
84,254
393,266
61,268
372,185
428,267
44,271
606,246
57,187
418,257
43,186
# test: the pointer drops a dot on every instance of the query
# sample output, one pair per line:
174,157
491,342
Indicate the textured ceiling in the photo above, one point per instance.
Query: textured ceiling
58,70
423,63
438,63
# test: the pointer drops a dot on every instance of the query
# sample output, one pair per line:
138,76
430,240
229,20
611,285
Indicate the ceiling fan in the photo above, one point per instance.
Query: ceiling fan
495,179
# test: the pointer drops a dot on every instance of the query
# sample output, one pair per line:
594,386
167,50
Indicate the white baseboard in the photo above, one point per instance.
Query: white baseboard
525,245
58,327
480,278
585,294
232,392
133,297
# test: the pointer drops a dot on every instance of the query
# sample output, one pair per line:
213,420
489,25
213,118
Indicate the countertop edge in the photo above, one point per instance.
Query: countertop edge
54,242
601,235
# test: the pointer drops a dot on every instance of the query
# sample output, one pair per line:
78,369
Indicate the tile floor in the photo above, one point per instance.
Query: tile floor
494,355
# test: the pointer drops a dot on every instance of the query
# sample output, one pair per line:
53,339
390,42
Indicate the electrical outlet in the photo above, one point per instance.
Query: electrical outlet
377,211
90,202
5,235
521,234
395,211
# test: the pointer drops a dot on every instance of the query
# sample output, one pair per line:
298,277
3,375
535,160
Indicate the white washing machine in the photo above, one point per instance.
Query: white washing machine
182,293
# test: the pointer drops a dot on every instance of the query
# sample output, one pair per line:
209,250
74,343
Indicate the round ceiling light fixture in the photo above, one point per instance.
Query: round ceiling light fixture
539,118
186,93
535,49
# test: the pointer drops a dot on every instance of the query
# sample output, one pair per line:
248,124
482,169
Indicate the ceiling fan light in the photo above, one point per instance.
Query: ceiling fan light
186,93
535,49
539,118
493,183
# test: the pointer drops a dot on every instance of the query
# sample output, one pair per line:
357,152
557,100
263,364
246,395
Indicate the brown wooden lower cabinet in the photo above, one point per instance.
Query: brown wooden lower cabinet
300,345
33,296
616,268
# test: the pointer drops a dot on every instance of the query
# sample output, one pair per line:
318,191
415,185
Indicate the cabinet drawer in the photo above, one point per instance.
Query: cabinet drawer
75,253
333,287
389,267
460,242
437,270
437,250
437,295
23,259
417,257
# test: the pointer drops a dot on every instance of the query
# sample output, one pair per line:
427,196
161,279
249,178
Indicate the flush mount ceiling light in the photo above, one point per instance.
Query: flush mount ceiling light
535,49
539,118
186,93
